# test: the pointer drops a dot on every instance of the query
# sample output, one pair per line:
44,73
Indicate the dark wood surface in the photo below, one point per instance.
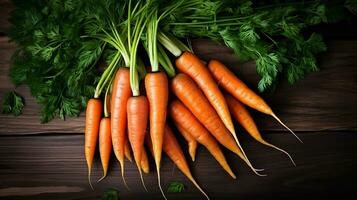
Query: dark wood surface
46,161
326,164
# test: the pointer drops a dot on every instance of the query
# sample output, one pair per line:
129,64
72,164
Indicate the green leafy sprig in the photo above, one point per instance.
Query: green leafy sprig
12,103
176,187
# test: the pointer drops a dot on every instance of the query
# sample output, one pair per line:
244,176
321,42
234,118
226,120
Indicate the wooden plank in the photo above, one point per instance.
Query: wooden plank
322,101
5,8
53,167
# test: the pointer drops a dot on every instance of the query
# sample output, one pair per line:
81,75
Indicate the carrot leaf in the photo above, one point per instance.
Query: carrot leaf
12,103
111,194
176,187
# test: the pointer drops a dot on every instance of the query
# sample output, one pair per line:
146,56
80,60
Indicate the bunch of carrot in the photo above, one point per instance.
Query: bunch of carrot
204,99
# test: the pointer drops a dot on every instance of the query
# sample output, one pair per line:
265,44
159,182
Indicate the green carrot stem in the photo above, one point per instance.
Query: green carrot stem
106,113
165,62
152,42
172,44
140,24
106,73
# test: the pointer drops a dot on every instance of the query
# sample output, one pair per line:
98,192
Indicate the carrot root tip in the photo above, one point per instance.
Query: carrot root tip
122,175
245,158
281,150
292,132
130,159
257,173
141,177
89,180
233,176
159,182
198,187
103,177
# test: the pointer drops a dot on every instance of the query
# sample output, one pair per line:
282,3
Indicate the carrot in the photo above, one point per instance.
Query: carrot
105,144
241,114
120,95
191,65
127,151
174,151
138,110
191,96
232,84
186,120
93,116
192,143
156,85
145,162
105,138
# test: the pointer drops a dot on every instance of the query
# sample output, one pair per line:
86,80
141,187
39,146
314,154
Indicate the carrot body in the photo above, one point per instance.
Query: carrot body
186,120
138,110
192,143
174,151
191,96
191,65
93,116
237,88
156,85
145,166
105,144
120,95
241,114
232,84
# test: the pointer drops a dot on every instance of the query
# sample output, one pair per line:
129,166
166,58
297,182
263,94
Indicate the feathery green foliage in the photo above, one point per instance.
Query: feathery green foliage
176,187
12,103
60,43
271,33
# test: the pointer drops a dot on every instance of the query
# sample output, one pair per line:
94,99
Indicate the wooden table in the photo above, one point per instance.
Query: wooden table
46,161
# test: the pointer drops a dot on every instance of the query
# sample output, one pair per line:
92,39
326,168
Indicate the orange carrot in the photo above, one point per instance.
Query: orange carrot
191,96
156,85
174,151
120,95
145,162
93,116
241,114
138,110
192,143
191,65
186,120
232,84
105,144
127,151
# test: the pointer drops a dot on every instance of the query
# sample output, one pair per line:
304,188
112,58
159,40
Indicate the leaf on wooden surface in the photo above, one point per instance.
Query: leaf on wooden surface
176,187
12,103
111,194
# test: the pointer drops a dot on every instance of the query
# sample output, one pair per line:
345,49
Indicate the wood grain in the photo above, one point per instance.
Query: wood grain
46,161
5,8
53,167
322,101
